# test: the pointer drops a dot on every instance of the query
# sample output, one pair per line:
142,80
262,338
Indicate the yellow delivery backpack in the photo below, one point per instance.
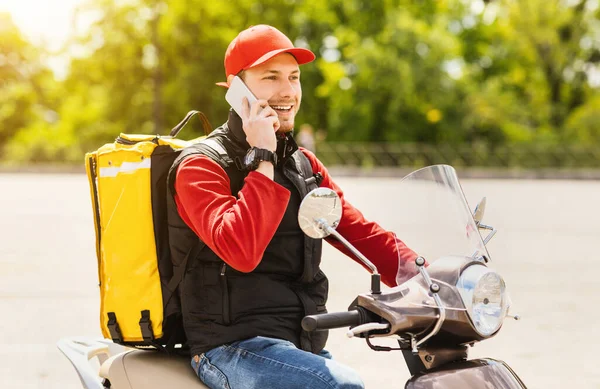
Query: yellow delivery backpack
128,185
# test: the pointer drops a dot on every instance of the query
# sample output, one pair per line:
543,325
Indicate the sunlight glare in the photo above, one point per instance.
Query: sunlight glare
45,22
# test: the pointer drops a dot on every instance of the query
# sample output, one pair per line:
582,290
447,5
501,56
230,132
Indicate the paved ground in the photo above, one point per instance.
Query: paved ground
546,248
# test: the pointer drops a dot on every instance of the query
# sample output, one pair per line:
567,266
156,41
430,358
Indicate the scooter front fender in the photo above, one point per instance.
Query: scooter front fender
475,374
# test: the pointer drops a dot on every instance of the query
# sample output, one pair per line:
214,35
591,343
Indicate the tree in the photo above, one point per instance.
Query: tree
432,71
25,84
538,56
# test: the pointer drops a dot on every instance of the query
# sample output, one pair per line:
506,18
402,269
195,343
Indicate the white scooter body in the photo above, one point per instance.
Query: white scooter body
99,360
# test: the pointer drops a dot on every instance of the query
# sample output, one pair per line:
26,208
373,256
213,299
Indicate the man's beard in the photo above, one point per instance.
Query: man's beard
286,126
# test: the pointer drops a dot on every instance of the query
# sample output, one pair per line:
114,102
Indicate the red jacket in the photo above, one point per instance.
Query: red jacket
239,230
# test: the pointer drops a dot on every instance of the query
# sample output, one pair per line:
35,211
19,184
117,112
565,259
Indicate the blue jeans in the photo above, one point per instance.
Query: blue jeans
271,363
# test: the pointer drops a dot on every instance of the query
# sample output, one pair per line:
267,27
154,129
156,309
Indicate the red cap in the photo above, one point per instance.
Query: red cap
257,45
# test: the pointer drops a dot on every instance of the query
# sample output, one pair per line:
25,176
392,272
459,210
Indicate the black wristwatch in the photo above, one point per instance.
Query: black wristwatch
254,156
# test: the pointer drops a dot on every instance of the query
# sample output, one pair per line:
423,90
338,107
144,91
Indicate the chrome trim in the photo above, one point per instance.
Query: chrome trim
330,230
479,211
434,288
490,235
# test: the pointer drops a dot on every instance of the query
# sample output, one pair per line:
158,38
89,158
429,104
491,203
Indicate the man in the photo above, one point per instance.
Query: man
257,275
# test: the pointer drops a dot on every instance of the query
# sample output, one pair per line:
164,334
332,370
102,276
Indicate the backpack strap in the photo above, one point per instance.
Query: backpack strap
180,271
312,180
303,164
215,149
208,147
216,146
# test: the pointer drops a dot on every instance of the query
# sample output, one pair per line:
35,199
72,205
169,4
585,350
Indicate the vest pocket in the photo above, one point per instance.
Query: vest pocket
225,289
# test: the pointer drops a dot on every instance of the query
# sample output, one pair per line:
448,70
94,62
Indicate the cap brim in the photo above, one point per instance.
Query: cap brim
302,56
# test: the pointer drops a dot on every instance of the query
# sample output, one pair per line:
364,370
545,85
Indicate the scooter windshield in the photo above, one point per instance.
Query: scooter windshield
436,219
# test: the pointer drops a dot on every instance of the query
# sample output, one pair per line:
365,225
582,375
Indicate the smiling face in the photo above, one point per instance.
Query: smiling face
278,82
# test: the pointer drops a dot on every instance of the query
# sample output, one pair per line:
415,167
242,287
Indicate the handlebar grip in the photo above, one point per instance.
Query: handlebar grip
326,321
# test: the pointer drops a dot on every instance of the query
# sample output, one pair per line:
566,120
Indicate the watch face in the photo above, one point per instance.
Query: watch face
250,157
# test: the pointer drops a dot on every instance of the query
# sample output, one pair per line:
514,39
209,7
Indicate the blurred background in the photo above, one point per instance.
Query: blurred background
495,88
397,83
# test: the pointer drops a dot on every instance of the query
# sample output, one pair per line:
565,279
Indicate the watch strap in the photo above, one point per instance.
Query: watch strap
262,155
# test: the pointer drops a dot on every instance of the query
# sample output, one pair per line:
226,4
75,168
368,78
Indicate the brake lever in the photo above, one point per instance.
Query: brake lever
366,328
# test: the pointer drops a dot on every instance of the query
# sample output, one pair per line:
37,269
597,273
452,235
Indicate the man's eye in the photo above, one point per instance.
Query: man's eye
294,78
270,78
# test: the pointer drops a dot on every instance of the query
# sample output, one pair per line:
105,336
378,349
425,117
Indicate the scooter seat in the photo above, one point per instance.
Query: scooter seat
138,369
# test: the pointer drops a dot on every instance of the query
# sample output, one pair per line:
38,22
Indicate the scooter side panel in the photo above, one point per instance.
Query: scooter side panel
475,374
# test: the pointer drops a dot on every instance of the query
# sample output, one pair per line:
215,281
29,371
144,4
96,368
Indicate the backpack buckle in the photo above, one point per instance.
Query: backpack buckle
146,326
316,179
113,328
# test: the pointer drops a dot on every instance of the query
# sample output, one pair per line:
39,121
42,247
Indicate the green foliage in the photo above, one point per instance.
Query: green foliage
435,71
24,97
583,125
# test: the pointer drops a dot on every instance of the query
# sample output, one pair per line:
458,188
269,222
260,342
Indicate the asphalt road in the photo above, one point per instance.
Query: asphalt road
545,249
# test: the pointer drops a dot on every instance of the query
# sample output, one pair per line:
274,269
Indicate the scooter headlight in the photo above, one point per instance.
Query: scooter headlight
484,295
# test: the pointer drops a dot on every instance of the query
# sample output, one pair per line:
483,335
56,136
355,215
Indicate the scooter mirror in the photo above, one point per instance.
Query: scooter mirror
479,211
320,211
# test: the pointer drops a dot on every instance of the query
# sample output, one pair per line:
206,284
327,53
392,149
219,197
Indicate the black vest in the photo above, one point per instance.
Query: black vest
221,305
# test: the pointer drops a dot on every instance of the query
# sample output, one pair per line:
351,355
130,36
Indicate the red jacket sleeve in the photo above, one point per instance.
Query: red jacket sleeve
391,256
239,229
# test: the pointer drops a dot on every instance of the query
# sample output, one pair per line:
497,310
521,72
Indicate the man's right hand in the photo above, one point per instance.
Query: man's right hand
260,122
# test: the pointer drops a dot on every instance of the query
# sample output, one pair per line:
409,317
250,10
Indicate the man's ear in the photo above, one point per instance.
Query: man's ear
229,79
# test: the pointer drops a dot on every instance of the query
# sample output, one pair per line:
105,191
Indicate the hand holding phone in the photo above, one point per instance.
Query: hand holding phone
260,121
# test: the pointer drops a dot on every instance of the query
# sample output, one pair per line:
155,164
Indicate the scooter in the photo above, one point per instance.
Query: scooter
454,301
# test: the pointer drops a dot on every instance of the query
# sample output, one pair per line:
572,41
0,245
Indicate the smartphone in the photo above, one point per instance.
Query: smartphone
238,90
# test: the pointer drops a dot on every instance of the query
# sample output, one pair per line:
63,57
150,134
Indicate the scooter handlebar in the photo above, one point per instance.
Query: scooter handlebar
326,321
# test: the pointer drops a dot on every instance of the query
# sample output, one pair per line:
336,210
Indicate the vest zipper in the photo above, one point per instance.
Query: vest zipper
225,288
